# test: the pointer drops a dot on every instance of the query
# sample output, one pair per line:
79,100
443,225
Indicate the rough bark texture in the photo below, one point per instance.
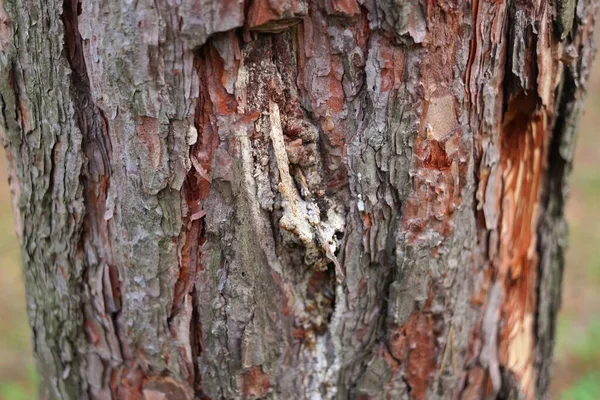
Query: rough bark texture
349,199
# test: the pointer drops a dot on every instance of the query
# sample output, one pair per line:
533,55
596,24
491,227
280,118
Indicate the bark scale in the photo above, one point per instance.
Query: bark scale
292,199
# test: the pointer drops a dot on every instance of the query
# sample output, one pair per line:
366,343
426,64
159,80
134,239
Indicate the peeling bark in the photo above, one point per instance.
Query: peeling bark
292,199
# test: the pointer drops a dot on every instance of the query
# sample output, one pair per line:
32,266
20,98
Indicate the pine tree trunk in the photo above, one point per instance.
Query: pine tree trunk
350,199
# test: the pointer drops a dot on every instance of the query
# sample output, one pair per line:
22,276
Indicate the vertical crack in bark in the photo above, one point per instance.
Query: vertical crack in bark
196,344
95,238
194,192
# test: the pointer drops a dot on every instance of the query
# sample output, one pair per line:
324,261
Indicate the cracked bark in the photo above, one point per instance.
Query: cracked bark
295,199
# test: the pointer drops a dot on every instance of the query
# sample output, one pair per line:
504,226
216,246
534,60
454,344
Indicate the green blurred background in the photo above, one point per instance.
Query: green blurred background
577,362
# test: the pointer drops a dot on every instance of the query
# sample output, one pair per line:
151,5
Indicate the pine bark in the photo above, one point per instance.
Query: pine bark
349,199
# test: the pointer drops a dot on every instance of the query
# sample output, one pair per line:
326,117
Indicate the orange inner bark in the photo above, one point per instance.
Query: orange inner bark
523,156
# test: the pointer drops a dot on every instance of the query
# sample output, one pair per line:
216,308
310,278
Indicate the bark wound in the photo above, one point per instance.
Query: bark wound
513,154
257,143
523,162
184,319
301,214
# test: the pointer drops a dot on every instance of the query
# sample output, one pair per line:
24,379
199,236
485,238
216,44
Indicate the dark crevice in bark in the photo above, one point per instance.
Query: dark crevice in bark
407,383
15,92
14,87
510,386
521,45
196,344
3,110
320,297
188,264
557,164
95,178
382,332
192,237
553,202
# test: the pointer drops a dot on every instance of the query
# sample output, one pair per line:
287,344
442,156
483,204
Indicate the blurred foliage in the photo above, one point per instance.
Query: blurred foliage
17,372
20,389
586,388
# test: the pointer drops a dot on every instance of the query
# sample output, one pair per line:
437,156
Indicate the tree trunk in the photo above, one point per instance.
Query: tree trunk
349,199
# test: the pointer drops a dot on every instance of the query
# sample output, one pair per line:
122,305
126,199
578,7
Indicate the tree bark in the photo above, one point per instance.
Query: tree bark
349,199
